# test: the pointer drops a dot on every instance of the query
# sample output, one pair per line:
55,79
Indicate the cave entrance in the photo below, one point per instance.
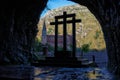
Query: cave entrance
89,36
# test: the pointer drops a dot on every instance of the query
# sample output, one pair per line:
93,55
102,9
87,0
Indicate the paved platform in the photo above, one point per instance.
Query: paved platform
64,73
64,62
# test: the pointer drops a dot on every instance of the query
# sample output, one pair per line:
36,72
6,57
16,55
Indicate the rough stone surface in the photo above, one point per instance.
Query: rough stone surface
18,28
16,72
108,14
48,73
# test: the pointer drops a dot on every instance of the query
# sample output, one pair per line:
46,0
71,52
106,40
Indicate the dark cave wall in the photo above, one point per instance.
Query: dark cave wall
108,14
18,28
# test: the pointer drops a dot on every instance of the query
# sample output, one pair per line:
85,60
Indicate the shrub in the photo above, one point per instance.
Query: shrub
37,45
85,48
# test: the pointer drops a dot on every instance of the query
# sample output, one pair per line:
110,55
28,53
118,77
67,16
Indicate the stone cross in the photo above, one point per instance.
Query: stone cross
65,22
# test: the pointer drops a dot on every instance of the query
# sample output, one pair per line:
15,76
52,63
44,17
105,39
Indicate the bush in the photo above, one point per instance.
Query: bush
97,35
85,48
37,45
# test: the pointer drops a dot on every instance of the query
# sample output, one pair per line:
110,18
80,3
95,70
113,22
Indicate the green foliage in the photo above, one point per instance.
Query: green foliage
60,48
85,48
37,45
49,31
97,34
70,46
50,48
89,25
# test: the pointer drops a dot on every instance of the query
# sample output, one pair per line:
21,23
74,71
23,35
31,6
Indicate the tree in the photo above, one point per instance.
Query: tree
85,48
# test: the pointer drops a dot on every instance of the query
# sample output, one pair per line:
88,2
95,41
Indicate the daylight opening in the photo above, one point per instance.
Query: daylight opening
89,39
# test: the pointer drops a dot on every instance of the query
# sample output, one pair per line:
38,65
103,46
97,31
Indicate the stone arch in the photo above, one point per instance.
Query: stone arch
18,26
107,13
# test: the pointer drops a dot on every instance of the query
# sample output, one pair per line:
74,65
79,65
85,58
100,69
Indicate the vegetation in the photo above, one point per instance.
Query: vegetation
37,45
85,48
97,34
88,31
50,48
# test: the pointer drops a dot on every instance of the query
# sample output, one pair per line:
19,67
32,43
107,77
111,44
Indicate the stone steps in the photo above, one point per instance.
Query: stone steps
83,60
64,62
87,63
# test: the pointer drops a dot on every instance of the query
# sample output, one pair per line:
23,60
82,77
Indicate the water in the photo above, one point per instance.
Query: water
63,73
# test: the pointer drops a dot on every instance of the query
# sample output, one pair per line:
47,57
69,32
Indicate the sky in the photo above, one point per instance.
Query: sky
53,4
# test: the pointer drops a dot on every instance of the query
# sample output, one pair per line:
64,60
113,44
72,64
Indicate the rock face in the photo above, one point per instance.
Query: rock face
76,8
73,73
18,27
108,14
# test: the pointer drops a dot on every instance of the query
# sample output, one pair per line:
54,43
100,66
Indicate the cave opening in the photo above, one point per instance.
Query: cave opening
18,30
89,36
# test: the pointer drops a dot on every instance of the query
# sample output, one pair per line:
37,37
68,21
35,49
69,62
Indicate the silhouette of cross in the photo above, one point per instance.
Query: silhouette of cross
64,22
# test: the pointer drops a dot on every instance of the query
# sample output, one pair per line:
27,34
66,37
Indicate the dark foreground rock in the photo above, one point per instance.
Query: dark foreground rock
16,72
48,73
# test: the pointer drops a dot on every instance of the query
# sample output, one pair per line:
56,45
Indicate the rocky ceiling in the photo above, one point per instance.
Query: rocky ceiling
18,28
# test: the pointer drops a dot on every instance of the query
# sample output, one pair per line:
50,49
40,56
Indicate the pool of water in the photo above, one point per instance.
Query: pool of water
63,73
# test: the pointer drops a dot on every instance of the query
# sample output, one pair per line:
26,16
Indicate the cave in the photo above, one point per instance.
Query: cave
86,32
18,28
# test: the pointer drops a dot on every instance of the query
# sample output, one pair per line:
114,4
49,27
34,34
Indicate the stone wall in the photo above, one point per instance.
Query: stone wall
17,72
51,40
18,28
108,14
